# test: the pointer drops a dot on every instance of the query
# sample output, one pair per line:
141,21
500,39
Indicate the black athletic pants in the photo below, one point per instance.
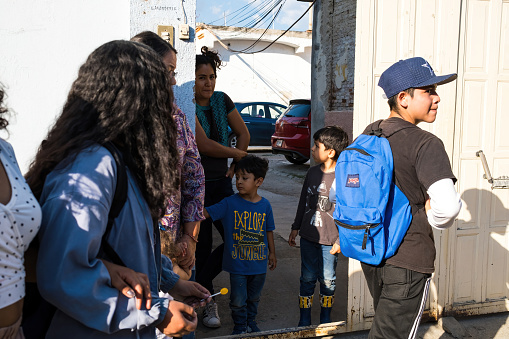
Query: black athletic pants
399,296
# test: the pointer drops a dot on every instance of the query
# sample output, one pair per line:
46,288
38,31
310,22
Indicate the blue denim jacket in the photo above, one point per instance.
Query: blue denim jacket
75,203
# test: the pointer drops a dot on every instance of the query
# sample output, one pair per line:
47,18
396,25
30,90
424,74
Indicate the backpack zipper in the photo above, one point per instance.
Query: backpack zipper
366,228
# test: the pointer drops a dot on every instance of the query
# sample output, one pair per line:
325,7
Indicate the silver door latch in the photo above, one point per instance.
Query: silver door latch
500,182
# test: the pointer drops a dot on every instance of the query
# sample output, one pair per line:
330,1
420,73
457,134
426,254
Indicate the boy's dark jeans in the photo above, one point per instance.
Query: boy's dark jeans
317,264
399,297
244,297
209,265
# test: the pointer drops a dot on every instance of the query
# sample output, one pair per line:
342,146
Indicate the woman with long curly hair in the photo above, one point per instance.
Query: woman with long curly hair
20,217
215,112
122,96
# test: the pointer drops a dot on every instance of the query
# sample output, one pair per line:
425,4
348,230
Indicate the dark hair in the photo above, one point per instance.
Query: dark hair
155,42
253,164
122,94
332,137
3,109
393,101
208,58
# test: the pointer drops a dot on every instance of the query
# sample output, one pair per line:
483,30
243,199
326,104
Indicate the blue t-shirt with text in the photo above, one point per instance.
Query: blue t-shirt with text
245,226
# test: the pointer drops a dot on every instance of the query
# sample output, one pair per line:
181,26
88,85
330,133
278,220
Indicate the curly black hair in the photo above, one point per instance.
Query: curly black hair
208,57
3,109
123,95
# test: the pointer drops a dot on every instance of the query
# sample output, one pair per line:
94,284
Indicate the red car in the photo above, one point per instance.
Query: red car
292,136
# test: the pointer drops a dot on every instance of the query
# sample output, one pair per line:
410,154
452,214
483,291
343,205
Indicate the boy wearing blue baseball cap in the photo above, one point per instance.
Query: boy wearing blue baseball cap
399,285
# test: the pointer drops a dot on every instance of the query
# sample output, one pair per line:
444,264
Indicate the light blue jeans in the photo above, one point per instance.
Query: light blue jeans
317,264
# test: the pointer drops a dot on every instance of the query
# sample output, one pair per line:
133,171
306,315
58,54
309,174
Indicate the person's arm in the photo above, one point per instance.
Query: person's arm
301,209
272,250
75,205
239,128
444,204
214,149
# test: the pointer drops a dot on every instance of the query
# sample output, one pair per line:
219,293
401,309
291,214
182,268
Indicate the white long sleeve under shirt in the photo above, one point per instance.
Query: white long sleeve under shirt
445,204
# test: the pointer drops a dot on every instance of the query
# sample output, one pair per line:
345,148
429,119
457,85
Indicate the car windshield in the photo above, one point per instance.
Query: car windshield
298,111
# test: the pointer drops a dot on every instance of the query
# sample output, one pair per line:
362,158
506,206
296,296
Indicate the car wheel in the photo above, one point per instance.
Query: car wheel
232,141
297,161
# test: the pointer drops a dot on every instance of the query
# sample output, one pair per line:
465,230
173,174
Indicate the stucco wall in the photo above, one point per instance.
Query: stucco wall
147,15
44,42
276,75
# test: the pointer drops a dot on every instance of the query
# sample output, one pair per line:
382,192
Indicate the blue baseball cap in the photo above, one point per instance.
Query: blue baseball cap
410,73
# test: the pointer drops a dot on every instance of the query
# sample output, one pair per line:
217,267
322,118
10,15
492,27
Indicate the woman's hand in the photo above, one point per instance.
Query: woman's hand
180,319
191,293
130,283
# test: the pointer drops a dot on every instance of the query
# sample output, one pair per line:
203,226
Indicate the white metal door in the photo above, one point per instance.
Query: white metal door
477,270
386,32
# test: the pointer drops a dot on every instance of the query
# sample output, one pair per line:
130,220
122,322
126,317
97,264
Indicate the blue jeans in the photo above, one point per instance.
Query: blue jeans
245,296
317,264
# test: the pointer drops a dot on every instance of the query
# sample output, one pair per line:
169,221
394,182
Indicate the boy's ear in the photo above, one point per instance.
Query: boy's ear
259,182
331,153
402,99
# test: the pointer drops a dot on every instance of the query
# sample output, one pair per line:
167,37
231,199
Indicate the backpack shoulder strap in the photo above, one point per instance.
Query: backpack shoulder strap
119,199
376,129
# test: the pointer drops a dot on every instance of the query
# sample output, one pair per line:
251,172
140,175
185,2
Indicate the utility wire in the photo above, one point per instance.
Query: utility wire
254,22
243,8
265,31
273,42
249,15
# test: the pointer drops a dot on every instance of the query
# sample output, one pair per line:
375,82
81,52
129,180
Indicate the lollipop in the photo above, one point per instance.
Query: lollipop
223,291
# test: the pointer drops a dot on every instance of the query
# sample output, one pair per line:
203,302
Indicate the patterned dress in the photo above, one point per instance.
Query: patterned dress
187,205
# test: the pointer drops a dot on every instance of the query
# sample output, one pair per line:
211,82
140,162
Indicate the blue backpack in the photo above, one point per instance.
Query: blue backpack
372,213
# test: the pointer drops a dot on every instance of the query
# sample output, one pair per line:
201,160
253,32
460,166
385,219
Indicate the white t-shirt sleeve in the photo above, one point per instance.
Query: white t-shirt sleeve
445,204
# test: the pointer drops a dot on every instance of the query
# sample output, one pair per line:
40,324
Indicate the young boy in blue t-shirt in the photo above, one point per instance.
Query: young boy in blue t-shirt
319,243
249,243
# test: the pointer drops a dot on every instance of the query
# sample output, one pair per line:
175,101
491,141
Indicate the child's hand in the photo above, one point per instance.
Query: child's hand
335,249
272,261
130,283
291,238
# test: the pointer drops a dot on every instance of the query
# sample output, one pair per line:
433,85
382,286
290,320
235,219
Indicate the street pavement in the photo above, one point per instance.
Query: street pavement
278,308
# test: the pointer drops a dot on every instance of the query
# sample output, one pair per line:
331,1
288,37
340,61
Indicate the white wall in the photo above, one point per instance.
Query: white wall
43,43
147,15
276,75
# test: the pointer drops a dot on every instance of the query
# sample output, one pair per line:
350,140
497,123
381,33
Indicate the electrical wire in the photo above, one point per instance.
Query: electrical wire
265,31
240,9
266,47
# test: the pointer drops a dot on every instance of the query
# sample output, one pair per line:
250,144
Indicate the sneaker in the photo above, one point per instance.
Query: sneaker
210,316
252,327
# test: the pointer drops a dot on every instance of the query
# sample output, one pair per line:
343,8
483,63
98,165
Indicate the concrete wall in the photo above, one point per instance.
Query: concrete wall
333,64
278,74
44,42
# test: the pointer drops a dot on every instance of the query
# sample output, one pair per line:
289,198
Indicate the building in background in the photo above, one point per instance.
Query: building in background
278,74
